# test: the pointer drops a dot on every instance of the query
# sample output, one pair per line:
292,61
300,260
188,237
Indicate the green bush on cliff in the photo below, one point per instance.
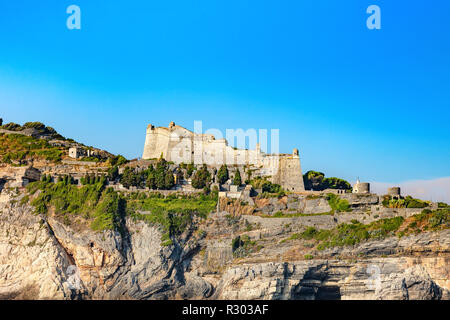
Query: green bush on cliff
173,213
407,202
104,208
118,161
337,204
335,183
11,126
243,245
109,211
353,233
268,188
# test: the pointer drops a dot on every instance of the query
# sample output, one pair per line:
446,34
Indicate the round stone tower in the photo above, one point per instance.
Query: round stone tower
394,191
361,187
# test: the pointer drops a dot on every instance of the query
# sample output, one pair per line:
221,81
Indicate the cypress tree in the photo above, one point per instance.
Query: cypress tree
223,175
237,181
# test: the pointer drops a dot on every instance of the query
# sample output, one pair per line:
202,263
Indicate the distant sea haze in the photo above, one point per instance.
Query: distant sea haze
434,189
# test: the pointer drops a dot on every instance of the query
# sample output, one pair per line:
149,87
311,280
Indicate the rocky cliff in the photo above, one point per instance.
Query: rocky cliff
43,258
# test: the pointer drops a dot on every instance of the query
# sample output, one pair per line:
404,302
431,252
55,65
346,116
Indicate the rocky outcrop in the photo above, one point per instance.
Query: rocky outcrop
43,258
380,279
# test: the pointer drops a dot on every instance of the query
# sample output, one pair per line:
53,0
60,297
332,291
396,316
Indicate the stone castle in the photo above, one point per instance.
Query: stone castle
180,145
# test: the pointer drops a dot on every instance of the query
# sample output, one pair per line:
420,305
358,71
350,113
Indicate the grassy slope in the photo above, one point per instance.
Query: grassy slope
17,147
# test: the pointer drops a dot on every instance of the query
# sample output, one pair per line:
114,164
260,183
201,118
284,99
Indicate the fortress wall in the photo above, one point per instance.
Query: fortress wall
178,144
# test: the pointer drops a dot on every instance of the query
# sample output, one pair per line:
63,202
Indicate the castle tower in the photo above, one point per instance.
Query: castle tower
361,187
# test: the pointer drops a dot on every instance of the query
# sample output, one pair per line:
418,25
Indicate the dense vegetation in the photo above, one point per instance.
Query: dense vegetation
173,213
268,188
159,178
201,178
17,148
190,168
117,161
316,181
102,207
407,202
356,232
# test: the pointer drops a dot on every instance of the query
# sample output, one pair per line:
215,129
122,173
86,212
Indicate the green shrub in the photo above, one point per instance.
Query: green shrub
92,201
313,180
243,245
118,160
353,233
309,233
407,202
337,204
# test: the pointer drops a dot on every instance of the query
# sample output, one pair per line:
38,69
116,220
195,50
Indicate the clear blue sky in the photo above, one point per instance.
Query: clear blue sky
356,102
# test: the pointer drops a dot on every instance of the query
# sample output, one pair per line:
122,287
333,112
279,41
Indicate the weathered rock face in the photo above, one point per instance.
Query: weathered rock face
378,279
39,256
36,255
32,265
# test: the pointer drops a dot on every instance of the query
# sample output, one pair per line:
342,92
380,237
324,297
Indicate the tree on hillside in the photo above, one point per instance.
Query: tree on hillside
130,178
1,121
223,175
189,170
313,180
118,160
161,177
113,173
335,183
151,178
169,180
201,178
316,181
237,181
